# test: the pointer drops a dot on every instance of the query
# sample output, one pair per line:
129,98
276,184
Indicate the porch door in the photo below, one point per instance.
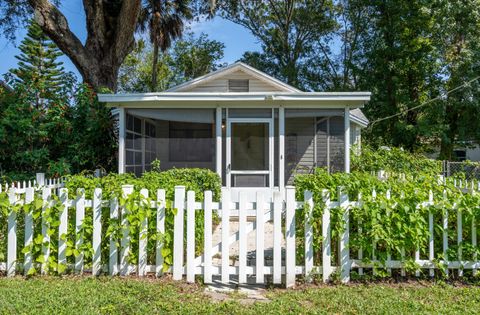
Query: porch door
249,153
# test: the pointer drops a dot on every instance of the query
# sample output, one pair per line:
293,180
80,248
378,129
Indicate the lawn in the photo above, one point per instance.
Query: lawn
132,296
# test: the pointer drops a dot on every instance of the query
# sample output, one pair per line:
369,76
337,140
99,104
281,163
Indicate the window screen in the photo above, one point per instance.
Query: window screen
238,86
187,142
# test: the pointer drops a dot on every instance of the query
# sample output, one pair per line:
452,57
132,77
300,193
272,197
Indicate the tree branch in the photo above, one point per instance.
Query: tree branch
55,25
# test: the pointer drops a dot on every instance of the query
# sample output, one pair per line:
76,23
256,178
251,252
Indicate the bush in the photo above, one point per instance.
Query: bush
197,180
396,223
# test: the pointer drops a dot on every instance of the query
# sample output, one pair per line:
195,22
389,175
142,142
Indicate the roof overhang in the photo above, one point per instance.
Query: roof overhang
207,100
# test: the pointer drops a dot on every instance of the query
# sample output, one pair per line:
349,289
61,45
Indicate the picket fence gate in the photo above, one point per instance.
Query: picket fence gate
281,211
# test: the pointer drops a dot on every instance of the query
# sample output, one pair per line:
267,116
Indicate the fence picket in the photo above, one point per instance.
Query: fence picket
142,237
179,205
308,196
12,235
97,232
79,217
207,246
161,231
242,239
344,249
326,238
225,235
459,241
28,264
431,249
290,248
191,236
260,235
127,190
46,193
474,244
62,232
360,231
113,256
277,238
445,236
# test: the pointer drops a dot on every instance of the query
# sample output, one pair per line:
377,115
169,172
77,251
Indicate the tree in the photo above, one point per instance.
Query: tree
165,21
187,59
288,30
111,26
38,65
458,35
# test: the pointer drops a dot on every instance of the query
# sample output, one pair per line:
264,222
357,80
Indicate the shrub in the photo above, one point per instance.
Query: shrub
197,180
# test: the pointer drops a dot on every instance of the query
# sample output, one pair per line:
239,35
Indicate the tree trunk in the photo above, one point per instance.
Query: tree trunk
154,66
110,37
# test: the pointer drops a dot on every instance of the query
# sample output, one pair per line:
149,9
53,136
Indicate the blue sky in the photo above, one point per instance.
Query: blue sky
237,39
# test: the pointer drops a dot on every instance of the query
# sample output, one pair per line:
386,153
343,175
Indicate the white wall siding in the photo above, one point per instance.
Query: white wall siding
221,84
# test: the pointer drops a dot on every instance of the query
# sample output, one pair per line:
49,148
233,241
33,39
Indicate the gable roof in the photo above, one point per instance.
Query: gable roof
262,76
358,117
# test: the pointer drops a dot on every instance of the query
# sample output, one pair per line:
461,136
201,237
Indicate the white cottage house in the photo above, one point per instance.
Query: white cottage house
255,131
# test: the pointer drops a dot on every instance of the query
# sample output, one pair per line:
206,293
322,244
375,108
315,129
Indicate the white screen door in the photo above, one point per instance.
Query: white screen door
249,153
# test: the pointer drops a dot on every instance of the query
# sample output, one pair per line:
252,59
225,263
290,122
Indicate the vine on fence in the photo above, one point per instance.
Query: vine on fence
136,205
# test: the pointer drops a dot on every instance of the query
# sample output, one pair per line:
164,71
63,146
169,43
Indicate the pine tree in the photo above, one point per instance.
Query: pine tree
38,65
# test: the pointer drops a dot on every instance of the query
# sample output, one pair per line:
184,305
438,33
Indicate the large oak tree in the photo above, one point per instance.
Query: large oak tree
111,26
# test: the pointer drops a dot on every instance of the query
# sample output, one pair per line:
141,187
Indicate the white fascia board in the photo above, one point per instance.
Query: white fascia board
232,68
182,97
362,123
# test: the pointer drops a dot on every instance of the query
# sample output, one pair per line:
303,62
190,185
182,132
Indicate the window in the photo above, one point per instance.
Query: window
460,155
238,86
190,142
140,148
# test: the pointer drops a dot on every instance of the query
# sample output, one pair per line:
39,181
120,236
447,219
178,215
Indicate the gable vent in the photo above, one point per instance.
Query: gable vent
238,86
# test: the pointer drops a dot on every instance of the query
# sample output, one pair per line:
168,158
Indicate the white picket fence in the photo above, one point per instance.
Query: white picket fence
281,211
40,181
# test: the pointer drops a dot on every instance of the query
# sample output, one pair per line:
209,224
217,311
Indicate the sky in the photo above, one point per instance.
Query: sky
236,38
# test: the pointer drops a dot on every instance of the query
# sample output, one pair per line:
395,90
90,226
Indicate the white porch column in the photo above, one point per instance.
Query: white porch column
121,139
347,139
218,149
281,149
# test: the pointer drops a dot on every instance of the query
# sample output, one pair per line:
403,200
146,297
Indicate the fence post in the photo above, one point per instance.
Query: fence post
12,235
242,238
142,237
46,193
40,178
97,232
308,197
226,235
207,253
179,205
445,234
326,236
125,243
62,232
290,248
113,256
431,249
190,236
260,241
79,217
277,238
344,249
160,230
29,195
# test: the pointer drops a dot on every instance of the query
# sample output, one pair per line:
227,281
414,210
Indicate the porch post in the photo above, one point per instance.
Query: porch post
281,148
218,132
121,140
347,139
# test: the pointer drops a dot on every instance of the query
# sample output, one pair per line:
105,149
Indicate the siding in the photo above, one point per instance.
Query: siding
221,84
299,147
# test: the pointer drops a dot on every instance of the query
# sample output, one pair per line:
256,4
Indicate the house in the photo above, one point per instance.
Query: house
252,129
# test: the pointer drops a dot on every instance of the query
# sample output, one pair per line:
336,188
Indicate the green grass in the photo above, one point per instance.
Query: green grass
132,296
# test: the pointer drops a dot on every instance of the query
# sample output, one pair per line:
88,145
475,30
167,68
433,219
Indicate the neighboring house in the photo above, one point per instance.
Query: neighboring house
252,129
5,86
